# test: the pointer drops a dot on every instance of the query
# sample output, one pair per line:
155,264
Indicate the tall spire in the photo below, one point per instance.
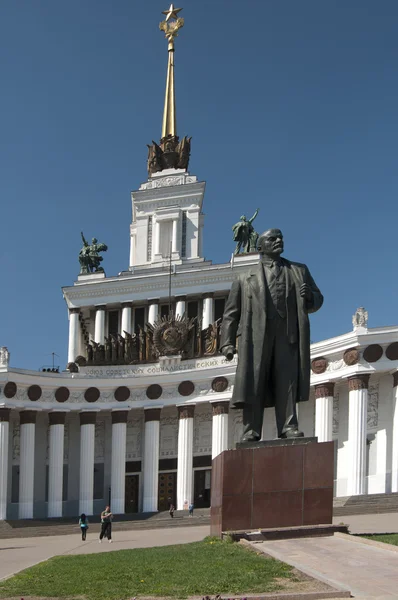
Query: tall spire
170,28
170,153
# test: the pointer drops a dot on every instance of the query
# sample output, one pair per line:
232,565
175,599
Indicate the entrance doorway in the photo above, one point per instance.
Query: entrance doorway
166,490
131,494
202,485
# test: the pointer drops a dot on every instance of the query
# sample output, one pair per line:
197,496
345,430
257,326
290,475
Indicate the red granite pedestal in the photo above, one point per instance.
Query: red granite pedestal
281,483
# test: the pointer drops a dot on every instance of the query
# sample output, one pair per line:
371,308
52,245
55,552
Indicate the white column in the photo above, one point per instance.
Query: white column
118,466
324,411
174,246
4,437
87,439
394,466
219,435
180,306
185,456
74,334
27,464
357,425
126,317
153,311
99,324
56,463
151,459
208,310
156,237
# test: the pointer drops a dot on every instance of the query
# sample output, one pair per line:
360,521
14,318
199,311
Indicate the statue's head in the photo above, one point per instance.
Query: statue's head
243,218
94,241
270,243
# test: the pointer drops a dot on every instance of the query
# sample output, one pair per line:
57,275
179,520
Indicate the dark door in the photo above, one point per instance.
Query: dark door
202,488
167,490
131,494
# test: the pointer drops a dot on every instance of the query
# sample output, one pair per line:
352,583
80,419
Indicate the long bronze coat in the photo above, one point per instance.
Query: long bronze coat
245,317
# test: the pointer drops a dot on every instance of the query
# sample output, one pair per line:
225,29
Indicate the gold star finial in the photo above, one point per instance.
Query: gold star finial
171,13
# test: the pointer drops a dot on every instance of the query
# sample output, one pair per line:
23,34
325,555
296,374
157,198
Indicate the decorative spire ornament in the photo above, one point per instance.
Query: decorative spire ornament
169,153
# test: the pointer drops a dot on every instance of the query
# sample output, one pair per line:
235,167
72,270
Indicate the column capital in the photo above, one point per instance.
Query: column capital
395,379
100,307
126,304
323,390
119,416
186,411
220,408
56,418
152,414
87,418
208,295
5,415
181,298
74,311
153,300
27,416
358,382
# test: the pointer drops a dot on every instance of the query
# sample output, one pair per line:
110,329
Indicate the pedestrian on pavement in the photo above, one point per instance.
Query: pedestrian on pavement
190,509
83,522
106,524
171,511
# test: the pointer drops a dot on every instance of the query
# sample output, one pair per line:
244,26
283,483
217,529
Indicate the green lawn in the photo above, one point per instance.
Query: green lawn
390,538
203,568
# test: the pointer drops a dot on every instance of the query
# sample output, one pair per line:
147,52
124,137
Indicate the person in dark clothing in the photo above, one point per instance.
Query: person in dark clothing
83,522
106,524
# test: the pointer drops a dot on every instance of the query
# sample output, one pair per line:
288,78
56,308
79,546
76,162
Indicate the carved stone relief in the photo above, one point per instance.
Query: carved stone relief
202,432
134,438
99,446
336,413
335,365
373,405
169,436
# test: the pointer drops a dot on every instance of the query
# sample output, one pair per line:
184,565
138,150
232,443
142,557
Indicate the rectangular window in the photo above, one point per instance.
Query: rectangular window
149,246
139,319
113,322
15,484
219,305
184,234
166,230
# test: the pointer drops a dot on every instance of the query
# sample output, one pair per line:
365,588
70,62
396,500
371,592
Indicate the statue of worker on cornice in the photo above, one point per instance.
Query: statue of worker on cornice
267,311
89,257
244,234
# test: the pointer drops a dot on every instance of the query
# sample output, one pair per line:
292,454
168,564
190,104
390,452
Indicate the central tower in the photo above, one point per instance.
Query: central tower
167,217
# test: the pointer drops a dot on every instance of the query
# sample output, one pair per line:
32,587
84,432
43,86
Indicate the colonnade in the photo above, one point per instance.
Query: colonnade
75,337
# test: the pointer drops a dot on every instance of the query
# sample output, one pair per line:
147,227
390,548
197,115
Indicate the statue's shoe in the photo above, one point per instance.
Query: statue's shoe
250,437
292,433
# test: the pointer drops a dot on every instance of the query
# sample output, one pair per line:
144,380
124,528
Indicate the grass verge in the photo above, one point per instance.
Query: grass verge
388,538
202,568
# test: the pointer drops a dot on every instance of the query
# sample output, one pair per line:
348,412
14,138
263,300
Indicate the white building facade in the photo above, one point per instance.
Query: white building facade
135,425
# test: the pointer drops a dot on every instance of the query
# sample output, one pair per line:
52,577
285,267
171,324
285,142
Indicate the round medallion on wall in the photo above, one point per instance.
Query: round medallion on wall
92,394
62,394
373,353
10,389
351,356
122,393
186,388
154,391
219,384
34,392
392,351
318,365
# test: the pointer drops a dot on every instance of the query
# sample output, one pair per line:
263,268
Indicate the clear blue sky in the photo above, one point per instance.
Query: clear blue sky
292,105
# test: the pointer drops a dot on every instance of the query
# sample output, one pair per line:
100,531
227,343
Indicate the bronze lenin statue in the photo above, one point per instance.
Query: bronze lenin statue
267,310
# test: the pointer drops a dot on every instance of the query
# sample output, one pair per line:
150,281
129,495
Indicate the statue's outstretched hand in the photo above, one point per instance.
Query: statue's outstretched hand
305,292
228,352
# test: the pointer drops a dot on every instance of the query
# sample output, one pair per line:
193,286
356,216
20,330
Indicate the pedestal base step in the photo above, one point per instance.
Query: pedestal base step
284,533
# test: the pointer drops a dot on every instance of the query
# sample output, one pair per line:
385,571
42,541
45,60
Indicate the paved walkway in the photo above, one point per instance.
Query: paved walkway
367,571
383,523
21,553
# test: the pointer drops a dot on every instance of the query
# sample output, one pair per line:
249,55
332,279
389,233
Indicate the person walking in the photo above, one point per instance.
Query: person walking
106,524
171,510
83,522
190,509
